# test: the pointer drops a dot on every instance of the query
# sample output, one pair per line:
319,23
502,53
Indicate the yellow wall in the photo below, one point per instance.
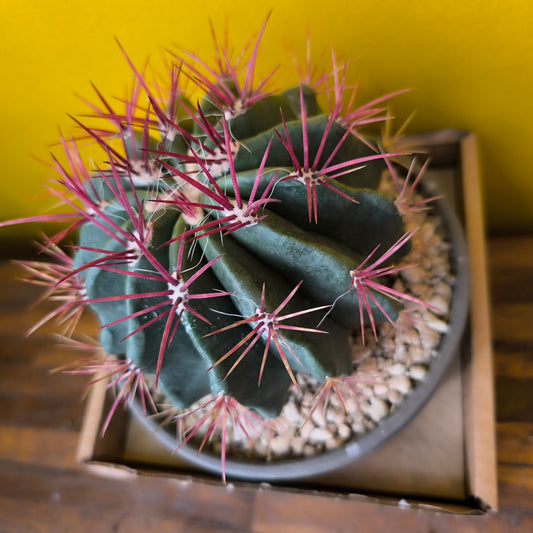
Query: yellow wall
470,63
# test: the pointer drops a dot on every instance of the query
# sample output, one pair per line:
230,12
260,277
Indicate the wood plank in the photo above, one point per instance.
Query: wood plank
515,444
76,498
514,399
516,487
53,516
44,410
295,513
39,446
513,322
513,359
510,251
511,266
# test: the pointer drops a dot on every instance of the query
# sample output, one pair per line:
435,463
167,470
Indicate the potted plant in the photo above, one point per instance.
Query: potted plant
259,265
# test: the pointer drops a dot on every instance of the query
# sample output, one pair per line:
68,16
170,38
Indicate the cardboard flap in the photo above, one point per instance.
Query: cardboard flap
479,382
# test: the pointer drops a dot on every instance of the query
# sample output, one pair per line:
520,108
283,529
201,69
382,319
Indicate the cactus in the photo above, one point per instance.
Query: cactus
229,244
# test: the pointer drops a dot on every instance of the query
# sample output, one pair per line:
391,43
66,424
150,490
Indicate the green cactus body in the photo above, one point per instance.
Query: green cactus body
300,245
233,242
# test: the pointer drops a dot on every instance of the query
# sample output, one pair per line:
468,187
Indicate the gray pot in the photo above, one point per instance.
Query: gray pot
297,469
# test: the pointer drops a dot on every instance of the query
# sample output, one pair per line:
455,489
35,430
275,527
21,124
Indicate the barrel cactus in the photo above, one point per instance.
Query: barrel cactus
231,239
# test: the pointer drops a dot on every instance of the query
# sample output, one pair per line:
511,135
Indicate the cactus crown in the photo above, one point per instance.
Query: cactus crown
229,243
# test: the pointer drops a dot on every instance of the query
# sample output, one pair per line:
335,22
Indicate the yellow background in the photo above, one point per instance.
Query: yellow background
469,63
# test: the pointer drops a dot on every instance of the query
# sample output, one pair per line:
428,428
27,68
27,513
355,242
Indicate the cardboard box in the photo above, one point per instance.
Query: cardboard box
444,459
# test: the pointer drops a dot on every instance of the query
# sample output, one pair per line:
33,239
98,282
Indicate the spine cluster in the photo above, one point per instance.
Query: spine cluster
230,240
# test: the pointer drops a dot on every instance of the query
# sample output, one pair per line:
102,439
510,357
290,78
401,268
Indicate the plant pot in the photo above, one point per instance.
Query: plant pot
283,470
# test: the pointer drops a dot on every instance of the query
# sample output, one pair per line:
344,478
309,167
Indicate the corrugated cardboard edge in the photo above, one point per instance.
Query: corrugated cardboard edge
479,405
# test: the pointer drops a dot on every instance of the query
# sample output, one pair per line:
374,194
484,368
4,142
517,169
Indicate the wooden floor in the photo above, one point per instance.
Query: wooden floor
43,490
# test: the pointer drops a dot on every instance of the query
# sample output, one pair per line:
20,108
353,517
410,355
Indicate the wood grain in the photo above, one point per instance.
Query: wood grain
43,490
